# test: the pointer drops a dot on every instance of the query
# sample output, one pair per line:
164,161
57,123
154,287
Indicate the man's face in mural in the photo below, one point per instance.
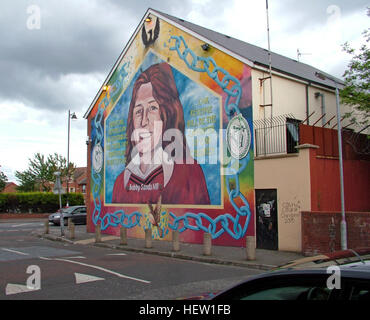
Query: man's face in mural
147,120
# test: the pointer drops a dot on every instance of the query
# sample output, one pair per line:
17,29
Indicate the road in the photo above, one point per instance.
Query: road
58,270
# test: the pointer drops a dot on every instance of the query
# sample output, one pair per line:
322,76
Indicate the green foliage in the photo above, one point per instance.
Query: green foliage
3,180
41,170
356,92
36,202
27,181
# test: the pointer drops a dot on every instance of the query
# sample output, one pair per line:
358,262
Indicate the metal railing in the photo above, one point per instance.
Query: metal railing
279,135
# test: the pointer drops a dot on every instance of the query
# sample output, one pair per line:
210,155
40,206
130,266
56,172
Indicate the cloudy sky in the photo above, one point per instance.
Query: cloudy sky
58,62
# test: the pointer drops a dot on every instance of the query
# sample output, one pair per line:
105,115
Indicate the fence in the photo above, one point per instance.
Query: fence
279,135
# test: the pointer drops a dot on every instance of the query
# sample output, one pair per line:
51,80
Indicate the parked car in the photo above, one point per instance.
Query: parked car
308,279
76,213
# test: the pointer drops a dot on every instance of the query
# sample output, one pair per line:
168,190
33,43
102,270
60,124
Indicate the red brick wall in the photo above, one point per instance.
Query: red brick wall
23,215
321,231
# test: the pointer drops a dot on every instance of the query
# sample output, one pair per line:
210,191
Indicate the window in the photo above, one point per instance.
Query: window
299,287
360,293
292,135
290,293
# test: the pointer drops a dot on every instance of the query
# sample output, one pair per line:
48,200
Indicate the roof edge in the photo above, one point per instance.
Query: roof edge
119,59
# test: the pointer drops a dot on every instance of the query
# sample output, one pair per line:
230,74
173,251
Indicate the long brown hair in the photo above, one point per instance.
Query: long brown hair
166,94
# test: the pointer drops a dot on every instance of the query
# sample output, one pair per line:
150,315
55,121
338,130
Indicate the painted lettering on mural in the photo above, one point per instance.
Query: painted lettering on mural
115,142
290,211
202,115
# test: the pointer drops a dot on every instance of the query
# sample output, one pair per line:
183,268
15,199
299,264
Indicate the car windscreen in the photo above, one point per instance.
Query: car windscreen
69,209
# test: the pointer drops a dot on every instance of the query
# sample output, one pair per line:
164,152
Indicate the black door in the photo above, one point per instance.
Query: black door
266,224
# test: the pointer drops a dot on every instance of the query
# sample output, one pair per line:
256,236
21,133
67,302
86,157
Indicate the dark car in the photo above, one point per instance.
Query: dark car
342,275
76,213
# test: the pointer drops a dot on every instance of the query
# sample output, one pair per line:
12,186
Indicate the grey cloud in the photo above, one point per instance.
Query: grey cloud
76,37
86,37
304,13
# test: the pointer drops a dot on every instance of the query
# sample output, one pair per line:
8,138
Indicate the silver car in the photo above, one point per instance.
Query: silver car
76,213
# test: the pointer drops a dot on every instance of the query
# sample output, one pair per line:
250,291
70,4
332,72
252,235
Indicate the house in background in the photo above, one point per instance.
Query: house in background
294,140
78,181
10,187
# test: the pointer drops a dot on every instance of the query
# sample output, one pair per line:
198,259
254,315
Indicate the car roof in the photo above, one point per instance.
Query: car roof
339,258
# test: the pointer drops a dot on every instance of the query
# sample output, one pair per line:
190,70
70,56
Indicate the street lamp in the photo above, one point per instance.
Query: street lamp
73,117
343,225
58,190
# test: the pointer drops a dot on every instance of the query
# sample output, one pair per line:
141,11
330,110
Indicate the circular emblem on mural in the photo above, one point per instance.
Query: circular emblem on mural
238,137
97,158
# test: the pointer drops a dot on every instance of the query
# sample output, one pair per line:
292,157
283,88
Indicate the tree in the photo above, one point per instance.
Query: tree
3,180
41,170
27,181
356,92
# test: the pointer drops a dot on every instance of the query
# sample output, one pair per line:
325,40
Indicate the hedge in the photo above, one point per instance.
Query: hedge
36,202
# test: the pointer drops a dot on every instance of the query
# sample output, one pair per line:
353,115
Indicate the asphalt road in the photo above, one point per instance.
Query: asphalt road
34,268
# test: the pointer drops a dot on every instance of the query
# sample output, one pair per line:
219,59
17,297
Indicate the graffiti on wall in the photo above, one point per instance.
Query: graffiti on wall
159,137
291,211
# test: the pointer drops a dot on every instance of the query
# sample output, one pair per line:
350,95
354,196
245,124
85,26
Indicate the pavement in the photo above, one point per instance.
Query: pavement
226,255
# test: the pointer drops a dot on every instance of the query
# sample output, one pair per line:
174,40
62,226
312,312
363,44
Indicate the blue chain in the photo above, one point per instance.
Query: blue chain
207,64
201,221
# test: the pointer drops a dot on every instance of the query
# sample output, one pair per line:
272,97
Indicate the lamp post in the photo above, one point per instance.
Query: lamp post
343,225
73,117
58,190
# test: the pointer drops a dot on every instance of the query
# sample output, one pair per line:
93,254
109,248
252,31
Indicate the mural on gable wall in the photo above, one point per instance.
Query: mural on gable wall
174,130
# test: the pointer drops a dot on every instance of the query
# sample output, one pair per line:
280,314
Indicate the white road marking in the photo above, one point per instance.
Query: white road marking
14,251
17,288
43,258
116,254
83,278
99,268
75,257
19,225
26,224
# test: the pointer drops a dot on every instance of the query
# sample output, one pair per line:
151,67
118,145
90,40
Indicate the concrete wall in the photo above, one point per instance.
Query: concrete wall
290,176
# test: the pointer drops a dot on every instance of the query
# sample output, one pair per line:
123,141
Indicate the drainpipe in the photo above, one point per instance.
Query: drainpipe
307,104
323,109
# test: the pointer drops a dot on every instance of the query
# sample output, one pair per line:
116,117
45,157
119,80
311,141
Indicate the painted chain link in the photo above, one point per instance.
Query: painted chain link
118,217
235,167
201,221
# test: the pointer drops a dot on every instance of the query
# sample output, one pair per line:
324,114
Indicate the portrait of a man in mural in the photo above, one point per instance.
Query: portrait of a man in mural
153,168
